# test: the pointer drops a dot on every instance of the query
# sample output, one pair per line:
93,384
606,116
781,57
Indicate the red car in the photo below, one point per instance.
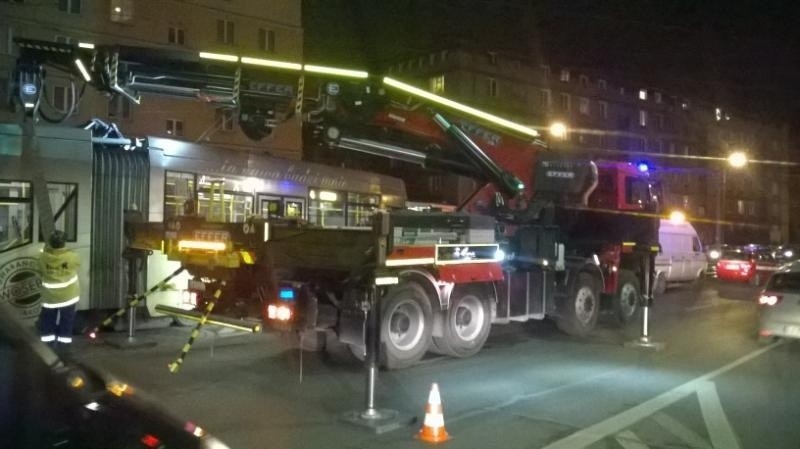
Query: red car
752,264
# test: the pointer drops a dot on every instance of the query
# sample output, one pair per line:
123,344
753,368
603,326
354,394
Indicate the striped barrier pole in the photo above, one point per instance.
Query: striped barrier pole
134,302
176,365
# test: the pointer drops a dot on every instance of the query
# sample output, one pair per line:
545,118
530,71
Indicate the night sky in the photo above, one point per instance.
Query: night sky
740,53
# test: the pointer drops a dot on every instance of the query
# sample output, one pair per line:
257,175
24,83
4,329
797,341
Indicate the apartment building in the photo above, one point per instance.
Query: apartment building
620,117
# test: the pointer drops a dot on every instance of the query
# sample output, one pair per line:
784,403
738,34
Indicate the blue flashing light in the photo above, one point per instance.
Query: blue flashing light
286,294
643,167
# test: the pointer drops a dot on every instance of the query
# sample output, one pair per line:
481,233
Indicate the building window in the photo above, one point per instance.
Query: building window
176,36
660,120
564,102
7,42
62,98
436,84
621,91
174,128
643,94
225,119
492,87
583,106
545,71
672,148
564,76
544,98
603,109
657,97
225,32
492,57
642,118
740,207
602,84
685,104
121,11
583,80
70,6
266,40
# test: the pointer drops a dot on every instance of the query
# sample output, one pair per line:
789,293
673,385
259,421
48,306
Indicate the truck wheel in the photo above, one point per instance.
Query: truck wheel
627,299
578,312
661,284
406,326
465,325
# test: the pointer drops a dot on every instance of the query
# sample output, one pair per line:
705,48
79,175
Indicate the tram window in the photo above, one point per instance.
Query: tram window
360,208
16,214
636,192
326,208
179,194
64,202
217,201
293,208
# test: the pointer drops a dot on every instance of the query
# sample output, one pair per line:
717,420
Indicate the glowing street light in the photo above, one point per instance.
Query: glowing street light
558,130
737,159
677,217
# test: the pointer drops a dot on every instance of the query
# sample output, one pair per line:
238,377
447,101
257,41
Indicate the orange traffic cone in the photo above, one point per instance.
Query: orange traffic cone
433,428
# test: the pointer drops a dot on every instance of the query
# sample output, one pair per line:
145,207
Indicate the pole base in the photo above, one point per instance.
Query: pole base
378,420
644,342
129,343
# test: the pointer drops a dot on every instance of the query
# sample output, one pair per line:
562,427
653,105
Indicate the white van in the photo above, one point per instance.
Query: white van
681,258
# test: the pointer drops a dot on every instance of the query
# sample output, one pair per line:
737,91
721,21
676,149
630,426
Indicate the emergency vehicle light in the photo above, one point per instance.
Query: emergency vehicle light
218,56
335,71
286,294
201,244
87,45
272,63
460,107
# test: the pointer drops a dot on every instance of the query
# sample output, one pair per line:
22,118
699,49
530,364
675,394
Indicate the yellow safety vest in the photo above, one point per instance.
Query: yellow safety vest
59,269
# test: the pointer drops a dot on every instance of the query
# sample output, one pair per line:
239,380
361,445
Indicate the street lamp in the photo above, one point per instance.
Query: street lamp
677,217
558,130
737,160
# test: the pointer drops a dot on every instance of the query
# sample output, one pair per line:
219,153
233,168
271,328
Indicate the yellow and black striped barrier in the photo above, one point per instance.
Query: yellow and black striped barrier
176,365
134,302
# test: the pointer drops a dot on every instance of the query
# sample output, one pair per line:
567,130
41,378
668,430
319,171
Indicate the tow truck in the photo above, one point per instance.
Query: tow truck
544,236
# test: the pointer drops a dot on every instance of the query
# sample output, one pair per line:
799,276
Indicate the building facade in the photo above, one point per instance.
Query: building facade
684,140
244,28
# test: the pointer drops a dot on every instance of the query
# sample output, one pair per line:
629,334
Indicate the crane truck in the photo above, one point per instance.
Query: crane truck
544,235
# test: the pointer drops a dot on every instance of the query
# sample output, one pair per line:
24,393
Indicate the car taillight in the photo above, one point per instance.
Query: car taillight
769,299
279,312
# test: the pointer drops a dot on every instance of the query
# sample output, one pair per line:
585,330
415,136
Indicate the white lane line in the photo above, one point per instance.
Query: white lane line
629,440
719,428
680,430
617,423
529,396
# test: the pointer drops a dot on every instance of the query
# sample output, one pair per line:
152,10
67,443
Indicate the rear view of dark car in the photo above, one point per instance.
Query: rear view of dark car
46,402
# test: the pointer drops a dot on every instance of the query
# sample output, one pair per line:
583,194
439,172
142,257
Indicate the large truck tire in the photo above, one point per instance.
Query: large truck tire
578,312
465,324
628,297
406,325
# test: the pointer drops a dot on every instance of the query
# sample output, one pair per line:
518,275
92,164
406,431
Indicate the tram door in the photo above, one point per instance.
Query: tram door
281,207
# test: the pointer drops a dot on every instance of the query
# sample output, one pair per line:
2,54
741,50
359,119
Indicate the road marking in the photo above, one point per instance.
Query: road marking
629,440
525,397
719,428
617,423
680,430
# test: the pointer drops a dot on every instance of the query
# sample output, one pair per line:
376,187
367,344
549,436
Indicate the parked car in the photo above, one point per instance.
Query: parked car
49,402
751,263
779,304
681,258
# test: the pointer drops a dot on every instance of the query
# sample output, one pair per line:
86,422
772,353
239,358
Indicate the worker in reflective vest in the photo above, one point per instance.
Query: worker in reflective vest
60,290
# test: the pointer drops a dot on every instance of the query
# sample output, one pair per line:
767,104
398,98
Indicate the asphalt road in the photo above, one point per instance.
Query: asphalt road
712,386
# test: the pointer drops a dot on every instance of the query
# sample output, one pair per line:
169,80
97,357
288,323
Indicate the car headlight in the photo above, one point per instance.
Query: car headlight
714,254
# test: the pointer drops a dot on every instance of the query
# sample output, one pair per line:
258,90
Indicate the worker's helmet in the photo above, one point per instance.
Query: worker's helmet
57,239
